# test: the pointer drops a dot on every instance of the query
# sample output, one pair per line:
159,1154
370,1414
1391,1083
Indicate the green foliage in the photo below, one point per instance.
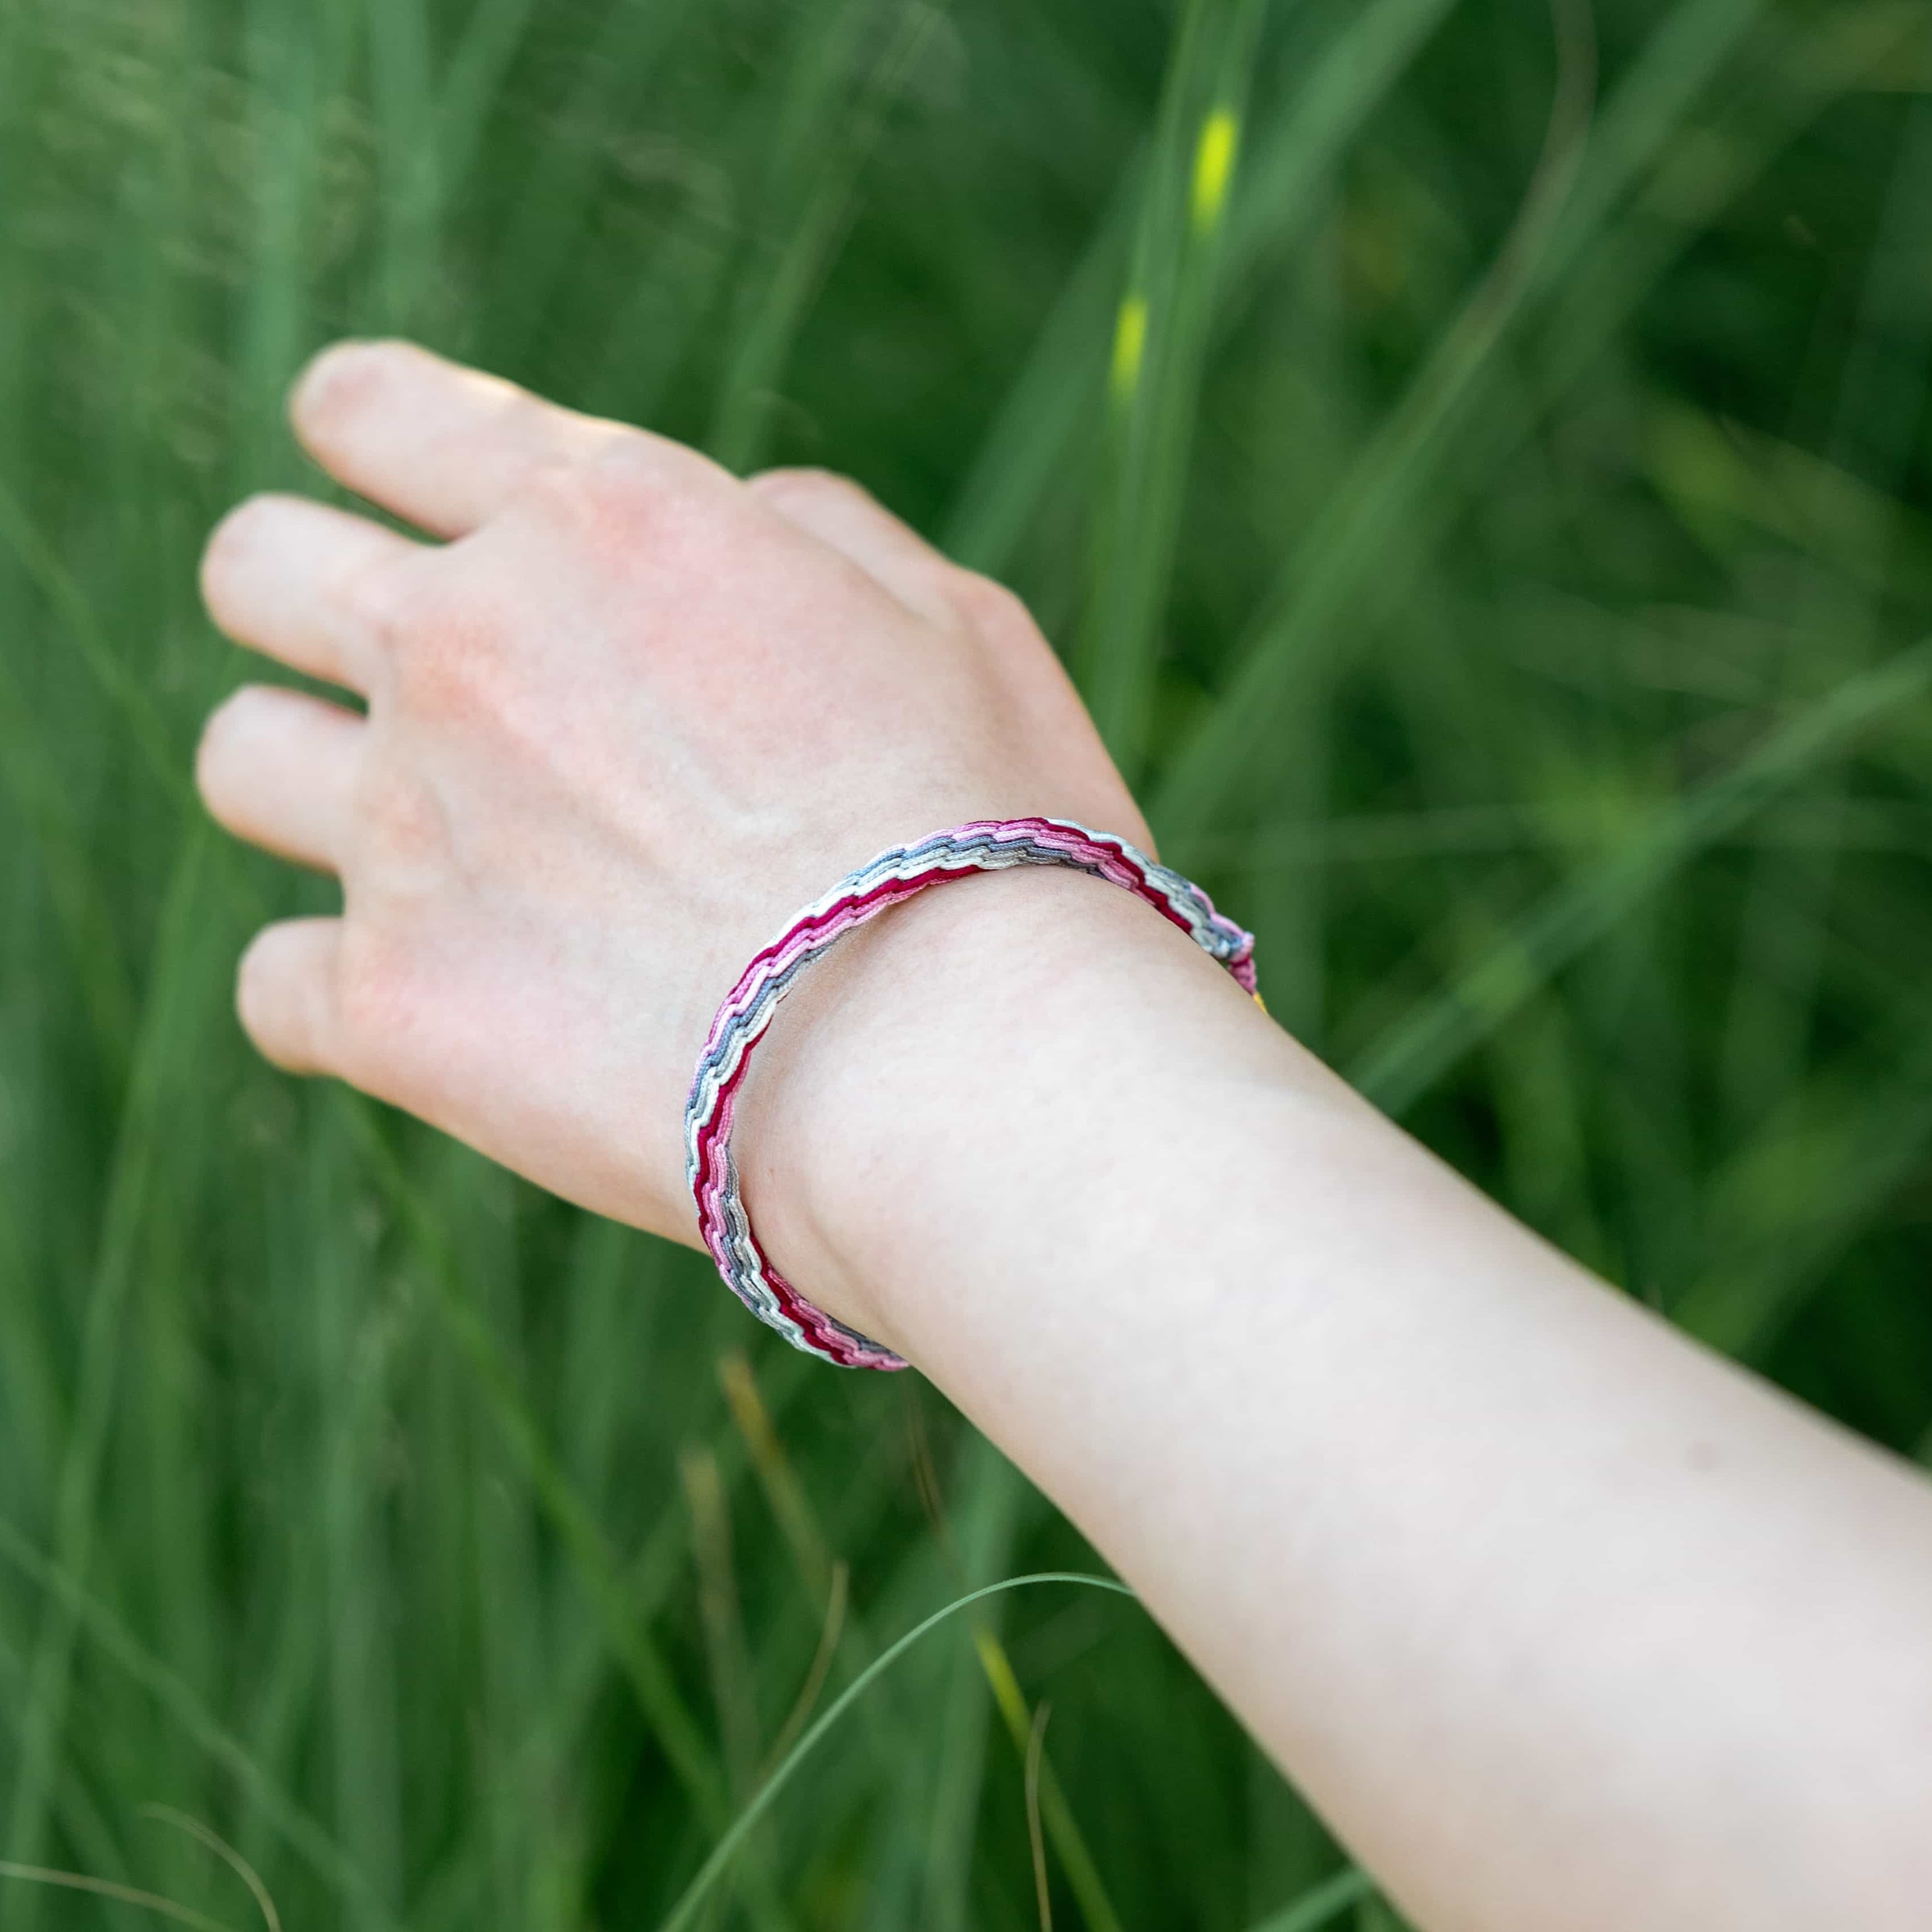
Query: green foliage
1473,456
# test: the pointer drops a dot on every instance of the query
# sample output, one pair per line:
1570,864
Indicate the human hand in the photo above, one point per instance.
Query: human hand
624,722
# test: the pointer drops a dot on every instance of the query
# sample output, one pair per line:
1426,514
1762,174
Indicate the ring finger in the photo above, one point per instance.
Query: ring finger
277,768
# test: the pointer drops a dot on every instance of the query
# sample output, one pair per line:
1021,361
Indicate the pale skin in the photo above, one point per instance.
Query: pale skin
1560,1622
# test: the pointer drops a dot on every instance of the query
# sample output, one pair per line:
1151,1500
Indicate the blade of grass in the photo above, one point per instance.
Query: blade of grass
683,1913
1160,340
84,1829
926,1843
1380,491
785,1496
552,211
828,132
649,1676
167,1815
164,1033
44,801
1791,1199
1320,1903
455,1893
298,62
837,1596
721,1617
659,1698
140,716
1329,576
410,247
473,79
1036,1745
35,1409
1769,1022
1083,1875
1376,523
992,1492
1415,1052
185,1706
1061,387
102,1888
352,1368
974,1522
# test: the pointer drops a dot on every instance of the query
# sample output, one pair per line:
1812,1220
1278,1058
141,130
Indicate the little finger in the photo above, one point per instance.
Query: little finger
285,993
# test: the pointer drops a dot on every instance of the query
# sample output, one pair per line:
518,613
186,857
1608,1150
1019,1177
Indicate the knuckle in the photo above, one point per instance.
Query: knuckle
400,821
988,606
806,484
615,483
373,1001
628,496
449,663
379,597
368,990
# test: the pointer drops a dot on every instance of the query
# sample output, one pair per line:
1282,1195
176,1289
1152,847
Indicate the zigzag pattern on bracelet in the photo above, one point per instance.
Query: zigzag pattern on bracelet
985,846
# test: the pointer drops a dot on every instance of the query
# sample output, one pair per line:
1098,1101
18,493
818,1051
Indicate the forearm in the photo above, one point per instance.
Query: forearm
1558,1619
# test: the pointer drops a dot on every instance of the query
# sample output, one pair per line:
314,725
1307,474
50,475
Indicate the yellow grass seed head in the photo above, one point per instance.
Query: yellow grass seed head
1129,346
1214,167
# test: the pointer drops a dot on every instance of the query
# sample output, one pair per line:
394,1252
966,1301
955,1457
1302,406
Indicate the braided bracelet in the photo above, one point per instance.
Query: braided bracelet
987,846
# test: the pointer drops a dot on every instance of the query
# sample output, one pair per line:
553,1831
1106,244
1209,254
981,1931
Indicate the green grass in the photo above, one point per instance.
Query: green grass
1474,456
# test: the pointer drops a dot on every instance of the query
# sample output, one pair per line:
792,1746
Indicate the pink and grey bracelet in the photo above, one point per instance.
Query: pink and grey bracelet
987,846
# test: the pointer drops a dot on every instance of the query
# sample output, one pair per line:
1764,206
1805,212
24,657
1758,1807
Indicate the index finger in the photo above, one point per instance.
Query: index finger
445,446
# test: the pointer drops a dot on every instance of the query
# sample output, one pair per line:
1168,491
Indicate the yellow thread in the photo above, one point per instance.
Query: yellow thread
1130,344
1214,167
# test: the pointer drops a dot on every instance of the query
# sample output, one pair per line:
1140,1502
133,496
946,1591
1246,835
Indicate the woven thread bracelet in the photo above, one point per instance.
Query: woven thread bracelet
986,846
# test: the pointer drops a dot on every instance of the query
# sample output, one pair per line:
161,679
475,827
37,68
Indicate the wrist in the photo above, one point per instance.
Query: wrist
964,1039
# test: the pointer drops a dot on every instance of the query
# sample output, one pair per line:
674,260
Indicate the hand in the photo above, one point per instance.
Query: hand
629,718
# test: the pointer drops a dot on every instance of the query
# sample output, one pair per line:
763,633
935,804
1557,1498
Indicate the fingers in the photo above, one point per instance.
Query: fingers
444,446
305,583
285,993
278,768
839,512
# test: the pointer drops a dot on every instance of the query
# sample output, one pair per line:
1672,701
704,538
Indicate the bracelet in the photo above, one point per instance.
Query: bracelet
985,846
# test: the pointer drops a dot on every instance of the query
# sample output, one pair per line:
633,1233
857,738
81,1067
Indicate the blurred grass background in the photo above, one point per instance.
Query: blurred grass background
1472,454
